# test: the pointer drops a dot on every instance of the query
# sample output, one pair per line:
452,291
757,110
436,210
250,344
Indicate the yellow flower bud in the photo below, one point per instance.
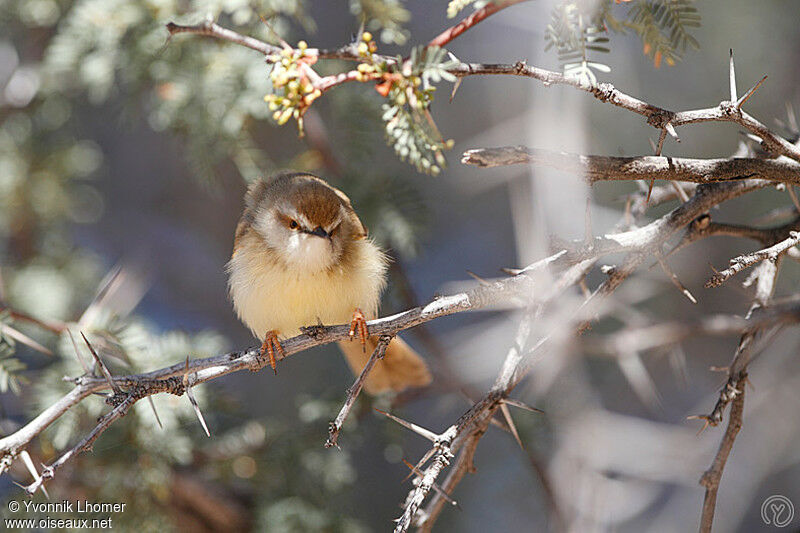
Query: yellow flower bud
285,116
302,45
366,36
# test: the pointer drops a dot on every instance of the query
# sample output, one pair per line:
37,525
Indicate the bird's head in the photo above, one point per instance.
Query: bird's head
309,225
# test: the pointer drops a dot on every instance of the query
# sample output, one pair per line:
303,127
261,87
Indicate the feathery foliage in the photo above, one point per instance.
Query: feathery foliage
664,28
574,35
577,29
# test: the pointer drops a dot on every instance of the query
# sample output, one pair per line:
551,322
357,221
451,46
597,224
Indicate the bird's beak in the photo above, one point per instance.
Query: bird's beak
319,232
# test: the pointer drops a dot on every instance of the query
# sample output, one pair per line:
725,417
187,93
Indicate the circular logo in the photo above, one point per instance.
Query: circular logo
13,506
777,510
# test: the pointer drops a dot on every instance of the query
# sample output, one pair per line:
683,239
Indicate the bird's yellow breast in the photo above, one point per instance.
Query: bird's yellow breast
268,296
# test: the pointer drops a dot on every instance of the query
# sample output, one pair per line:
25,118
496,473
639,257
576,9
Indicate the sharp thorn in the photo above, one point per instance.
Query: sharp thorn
732,75
430,435
102,366
748,94
511,426
516,403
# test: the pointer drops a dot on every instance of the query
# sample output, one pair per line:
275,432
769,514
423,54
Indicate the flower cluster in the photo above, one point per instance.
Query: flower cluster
408,86
294,91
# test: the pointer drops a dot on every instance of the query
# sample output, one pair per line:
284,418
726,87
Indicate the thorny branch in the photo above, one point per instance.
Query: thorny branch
169,379
659,118
718,181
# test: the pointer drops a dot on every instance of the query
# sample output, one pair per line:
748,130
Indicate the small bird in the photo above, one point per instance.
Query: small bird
301,256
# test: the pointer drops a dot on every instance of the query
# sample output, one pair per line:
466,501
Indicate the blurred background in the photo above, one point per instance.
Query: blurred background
123,161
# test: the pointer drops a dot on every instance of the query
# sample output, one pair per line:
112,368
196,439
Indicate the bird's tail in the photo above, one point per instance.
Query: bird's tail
401,366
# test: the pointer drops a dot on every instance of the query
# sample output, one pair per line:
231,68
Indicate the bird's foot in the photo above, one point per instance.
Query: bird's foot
359,325
270,346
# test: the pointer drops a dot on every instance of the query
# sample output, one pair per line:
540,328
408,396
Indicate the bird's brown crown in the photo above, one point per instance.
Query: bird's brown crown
298,193
315,200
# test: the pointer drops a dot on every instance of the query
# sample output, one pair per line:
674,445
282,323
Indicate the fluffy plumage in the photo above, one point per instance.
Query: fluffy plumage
301,257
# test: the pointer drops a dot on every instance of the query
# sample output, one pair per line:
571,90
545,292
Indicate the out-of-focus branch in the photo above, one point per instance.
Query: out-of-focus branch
471,20
52,326
666,333
209,28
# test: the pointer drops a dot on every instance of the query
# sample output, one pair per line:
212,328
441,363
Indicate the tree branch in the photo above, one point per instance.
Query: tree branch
719,180
353,392
747,260
711,478
660,118
138,386
471,20
596,168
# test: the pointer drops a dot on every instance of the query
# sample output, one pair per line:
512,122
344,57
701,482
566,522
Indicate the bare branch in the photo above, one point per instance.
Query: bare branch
711,478
608,168
471,20
747,260
352,393
202,370
211,29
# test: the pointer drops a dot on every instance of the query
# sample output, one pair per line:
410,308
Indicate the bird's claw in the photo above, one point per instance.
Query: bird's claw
359,324
270,346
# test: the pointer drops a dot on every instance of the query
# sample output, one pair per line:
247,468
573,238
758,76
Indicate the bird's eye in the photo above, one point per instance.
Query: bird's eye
293,224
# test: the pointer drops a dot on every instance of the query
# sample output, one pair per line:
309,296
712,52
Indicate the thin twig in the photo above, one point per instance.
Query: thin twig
352,393
744,261
711,478
471,20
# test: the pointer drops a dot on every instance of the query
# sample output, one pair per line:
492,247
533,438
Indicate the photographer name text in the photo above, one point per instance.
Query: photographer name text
79,506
